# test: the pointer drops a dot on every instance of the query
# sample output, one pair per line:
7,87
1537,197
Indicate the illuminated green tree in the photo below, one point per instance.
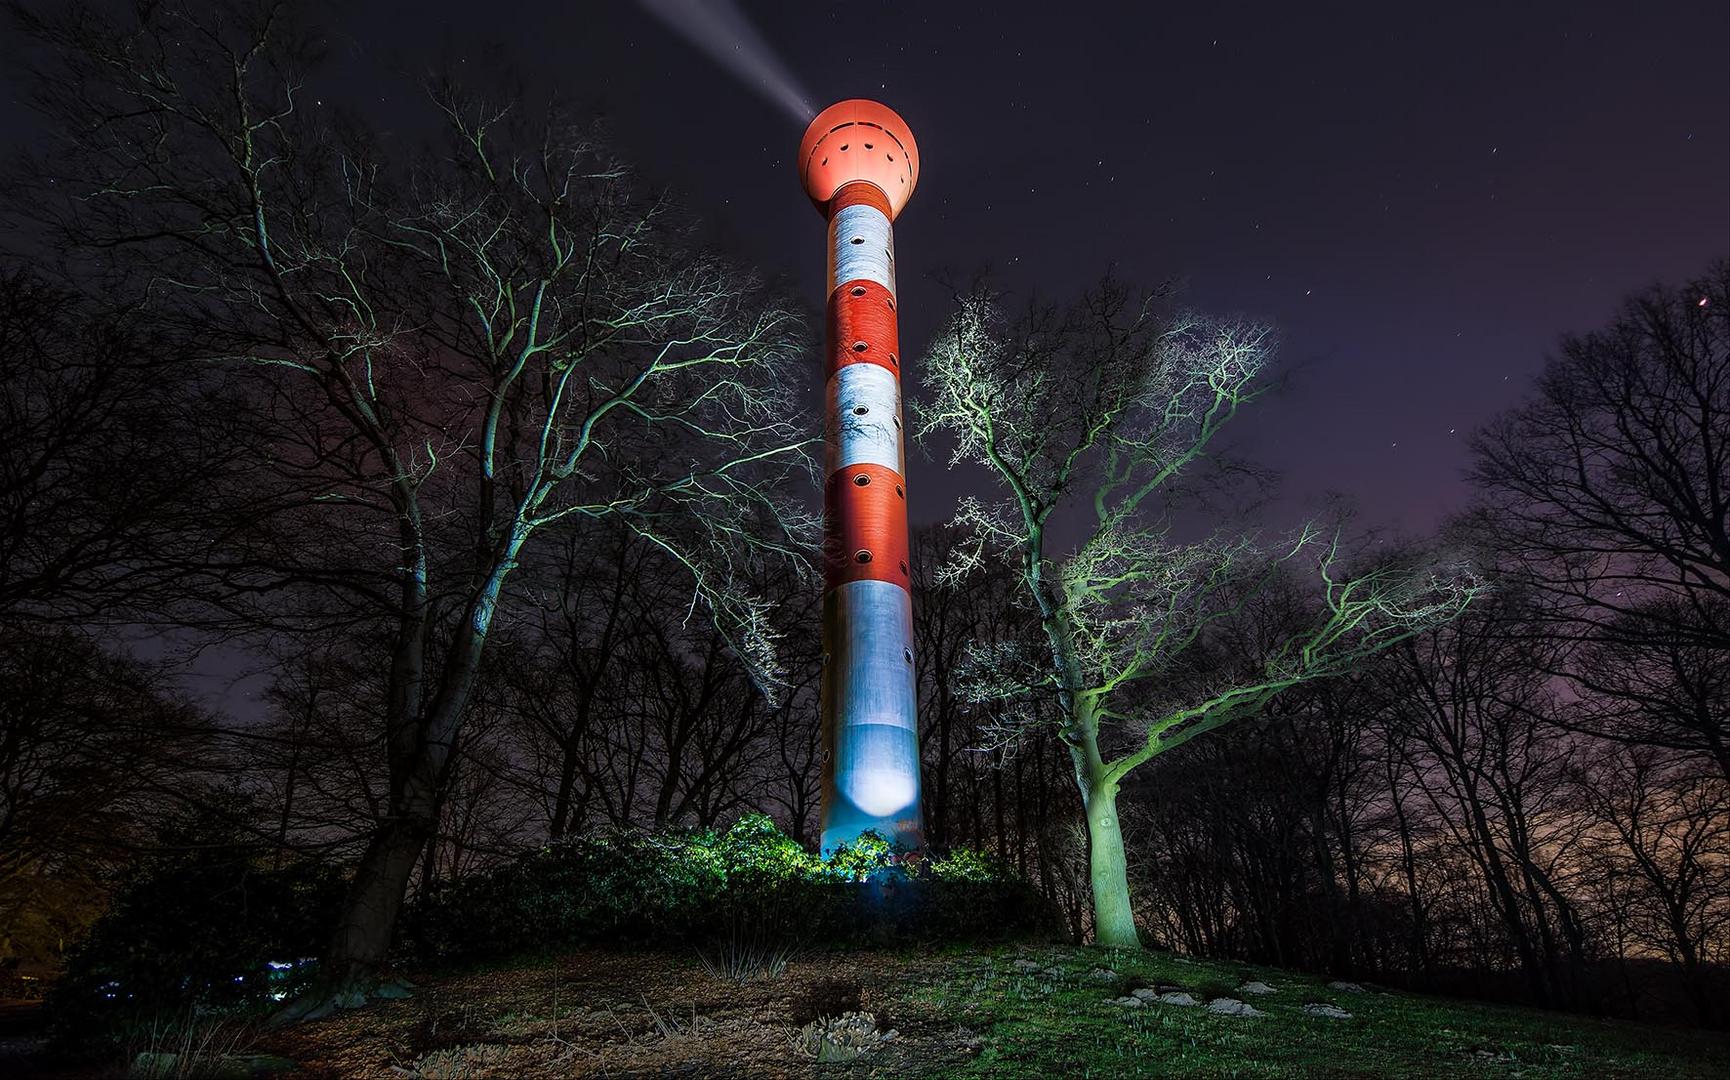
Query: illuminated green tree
1091,421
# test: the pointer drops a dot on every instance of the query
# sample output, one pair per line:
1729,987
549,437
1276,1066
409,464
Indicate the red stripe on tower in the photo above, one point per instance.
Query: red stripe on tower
862,327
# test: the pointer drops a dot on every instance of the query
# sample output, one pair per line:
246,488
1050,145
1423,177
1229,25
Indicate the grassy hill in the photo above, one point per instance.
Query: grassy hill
1042,1012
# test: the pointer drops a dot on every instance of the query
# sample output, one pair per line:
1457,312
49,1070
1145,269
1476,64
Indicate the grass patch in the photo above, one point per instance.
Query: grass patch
1036,1027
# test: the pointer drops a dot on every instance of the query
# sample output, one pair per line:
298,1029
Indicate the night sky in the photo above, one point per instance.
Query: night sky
1421,198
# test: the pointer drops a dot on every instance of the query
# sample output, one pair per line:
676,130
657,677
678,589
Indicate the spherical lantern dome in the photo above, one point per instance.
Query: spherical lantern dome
859,139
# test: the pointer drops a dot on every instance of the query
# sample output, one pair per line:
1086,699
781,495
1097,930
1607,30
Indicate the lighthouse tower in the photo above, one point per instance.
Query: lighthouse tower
859,164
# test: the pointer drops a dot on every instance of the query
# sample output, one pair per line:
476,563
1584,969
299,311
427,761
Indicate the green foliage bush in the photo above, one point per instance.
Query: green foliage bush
692,886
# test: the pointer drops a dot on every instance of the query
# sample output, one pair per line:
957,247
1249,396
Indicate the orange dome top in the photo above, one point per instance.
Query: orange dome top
858,139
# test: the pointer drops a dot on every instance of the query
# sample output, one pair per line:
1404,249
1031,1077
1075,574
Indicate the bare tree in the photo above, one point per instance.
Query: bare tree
1326,735
702,721
1087,420
790,777
1476,713
93,748
1609,496
1652,679
950,617
443,355
564,671
93,465
1664,833
318,759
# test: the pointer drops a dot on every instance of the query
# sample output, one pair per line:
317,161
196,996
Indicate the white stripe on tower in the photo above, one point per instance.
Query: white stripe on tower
865,415
861,247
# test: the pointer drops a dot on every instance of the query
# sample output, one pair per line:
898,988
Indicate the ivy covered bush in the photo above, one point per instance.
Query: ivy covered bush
694,885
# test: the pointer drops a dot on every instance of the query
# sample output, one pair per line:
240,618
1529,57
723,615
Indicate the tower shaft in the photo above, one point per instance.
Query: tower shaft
859,164
869,704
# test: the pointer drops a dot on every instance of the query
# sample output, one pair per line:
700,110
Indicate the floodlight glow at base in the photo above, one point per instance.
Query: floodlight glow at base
881,793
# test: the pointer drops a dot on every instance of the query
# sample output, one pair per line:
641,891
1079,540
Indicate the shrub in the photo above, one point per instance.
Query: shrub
212,932
966,864
869,858
750,881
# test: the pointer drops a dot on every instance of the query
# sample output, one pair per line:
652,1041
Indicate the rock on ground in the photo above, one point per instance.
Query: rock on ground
1130,1002
1233,1007
1331,1011
1102,975
1256,988
1347,988
1177,997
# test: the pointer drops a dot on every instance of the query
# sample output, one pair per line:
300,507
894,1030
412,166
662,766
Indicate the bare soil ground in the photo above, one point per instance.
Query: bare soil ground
616,1014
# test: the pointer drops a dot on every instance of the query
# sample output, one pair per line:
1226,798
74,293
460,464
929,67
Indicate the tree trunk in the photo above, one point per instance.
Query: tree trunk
287,804
363,936
1020,820
1506,903
997,814
1113,919
939,796
1695,984
356,957
421,747
561,822
1420,943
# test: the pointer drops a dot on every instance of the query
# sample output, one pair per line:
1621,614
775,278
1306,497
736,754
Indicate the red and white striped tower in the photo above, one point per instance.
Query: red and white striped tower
859,165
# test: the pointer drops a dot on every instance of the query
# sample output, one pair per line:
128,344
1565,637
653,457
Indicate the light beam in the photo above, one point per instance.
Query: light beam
721,30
